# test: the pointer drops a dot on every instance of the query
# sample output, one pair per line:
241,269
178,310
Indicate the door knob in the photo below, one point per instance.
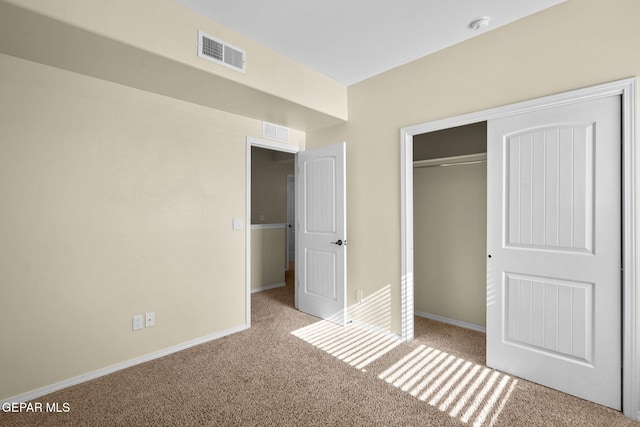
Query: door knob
339,243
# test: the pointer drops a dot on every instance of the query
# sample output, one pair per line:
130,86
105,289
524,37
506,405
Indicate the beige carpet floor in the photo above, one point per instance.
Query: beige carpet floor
290,369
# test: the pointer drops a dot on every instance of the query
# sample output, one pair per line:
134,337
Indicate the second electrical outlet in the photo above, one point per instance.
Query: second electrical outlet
150,319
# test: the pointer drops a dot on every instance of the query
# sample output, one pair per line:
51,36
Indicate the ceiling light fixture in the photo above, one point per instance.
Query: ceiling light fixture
478,23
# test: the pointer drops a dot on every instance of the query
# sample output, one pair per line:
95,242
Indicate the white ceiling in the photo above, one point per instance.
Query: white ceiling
352,40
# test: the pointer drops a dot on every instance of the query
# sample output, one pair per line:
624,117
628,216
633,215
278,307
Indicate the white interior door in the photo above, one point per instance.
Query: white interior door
321,220
554,247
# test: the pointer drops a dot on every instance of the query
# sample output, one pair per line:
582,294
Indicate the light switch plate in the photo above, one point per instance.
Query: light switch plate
138,322
237,223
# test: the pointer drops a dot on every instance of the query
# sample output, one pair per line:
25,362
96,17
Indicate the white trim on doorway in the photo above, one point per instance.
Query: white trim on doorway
627,89
454,322
270,145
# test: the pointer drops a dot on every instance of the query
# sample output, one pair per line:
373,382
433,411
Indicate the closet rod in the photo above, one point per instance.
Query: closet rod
467,159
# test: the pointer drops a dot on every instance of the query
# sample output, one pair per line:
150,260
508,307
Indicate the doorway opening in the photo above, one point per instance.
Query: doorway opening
272,216
269,176
626,89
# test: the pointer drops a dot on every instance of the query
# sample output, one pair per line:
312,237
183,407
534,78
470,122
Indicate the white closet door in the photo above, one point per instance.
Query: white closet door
554,239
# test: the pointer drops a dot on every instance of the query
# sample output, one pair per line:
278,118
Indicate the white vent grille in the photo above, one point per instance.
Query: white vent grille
271,131
218,51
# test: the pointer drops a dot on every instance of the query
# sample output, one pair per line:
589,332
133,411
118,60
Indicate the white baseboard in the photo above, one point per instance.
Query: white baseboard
267,287
454,322
30,395
375,329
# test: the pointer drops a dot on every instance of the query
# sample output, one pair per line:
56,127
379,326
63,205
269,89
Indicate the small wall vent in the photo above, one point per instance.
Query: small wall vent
271,131
218,51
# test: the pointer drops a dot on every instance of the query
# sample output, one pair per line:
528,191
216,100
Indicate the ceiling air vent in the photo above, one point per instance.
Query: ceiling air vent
218,51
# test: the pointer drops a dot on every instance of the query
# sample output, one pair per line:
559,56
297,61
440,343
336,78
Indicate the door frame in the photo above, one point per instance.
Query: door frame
287,260
269,145
627,89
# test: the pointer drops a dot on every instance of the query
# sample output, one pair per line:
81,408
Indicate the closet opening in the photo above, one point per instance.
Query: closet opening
450,225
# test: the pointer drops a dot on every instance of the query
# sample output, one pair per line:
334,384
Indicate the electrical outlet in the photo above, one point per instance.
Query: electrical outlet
359,295
150,319
138,322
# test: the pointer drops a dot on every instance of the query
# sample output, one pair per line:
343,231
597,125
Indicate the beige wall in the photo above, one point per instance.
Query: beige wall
575,44
121,199
116,202
168,30
450,229
269,186
152,45
267,257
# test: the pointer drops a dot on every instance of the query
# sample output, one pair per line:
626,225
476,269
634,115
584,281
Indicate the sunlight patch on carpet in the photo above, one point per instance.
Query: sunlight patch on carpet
354,344
472,393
